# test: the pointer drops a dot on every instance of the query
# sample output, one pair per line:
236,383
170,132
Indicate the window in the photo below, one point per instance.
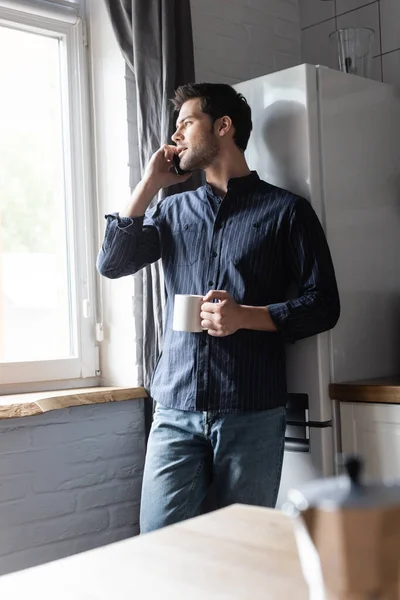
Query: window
47,274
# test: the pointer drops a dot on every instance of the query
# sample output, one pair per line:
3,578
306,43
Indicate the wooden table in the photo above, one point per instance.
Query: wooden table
238,552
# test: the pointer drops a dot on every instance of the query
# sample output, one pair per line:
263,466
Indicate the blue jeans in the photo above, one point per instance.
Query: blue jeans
240,454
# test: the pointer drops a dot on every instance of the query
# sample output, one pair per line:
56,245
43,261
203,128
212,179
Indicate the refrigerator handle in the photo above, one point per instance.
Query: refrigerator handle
296,445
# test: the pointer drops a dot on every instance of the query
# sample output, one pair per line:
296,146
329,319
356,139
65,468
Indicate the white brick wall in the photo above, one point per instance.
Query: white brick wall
70,480
235,40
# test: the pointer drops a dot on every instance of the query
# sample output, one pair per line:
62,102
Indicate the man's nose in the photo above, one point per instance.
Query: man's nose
177,136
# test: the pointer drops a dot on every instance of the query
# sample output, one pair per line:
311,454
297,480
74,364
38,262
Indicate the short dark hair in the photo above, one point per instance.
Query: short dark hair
219,100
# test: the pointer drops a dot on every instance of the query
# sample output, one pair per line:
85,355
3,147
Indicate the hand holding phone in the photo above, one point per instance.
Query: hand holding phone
176,167
161,170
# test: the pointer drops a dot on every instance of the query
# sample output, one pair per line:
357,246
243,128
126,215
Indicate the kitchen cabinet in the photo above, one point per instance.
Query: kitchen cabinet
369,412
372,430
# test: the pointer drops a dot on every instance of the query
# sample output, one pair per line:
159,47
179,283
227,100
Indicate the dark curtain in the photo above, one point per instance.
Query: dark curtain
155,37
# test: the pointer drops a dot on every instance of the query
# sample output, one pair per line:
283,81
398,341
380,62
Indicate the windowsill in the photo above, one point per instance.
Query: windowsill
37,403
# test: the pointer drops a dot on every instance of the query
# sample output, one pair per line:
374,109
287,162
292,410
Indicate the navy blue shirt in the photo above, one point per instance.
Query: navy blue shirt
253,243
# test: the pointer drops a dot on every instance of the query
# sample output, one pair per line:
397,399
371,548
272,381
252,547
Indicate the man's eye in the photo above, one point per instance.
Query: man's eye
188,123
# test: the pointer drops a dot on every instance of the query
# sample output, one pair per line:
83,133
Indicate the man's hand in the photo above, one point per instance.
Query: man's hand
221,318
224,317
158,168
156,176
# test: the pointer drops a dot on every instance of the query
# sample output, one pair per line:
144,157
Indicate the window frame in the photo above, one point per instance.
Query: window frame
66,23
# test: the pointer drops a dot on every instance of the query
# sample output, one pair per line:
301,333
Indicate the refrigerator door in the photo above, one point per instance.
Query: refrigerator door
301,465
334,138
283,104
284,150
360,150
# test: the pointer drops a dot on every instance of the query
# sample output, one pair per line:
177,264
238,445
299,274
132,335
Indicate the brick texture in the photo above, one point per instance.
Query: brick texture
70,480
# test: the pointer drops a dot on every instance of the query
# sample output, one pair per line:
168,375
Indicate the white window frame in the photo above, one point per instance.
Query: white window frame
63,21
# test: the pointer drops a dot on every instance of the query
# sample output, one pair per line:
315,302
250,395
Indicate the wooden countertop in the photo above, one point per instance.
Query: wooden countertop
27,405
385,390
239,552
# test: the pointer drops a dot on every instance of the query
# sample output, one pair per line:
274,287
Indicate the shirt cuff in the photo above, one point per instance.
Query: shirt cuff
125,224
279,314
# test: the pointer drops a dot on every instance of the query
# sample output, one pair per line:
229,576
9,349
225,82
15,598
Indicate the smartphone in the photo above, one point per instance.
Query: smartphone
176,166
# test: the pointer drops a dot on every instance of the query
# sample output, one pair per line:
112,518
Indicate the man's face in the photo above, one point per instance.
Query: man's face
195,135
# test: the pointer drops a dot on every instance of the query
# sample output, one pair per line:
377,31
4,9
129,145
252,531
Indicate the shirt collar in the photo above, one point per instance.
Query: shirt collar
244,183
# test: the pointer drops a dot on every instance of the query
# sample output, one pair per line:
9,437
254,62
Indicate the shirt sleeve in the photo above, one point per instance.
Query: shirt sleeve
308,260
129,244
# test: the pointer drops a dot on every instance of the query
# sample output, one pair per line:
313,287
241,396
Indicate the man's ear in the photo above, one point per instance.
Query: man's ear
223,126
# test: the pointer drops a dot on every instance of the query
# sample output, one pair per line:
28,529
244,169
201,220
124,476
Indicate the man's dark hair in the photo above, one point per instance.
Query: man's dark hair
219,100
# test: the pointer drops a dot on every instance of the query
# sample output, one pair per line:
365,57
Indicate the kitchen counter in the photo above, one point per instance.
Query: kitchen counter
385,390
239,552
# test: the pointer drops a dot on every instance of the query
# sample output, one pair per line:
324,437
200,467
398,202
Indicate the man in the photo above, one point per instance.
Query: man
239,241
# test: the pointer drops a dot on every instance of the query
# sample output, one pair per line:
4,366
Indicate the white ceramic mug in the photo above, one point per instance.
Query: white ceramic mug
187,309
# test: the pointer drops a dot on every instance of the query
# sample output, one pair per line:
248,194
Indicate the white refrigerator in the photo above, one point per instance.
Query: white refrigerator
334,139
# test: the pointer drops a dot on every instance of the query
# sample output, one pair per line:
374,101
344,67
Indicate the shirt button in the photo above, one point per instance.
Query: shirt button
211,283
214,254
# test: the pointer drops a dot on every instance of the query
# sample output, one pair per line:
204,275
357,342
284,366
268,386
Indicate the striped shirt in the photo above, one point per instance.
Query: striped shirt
253,243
